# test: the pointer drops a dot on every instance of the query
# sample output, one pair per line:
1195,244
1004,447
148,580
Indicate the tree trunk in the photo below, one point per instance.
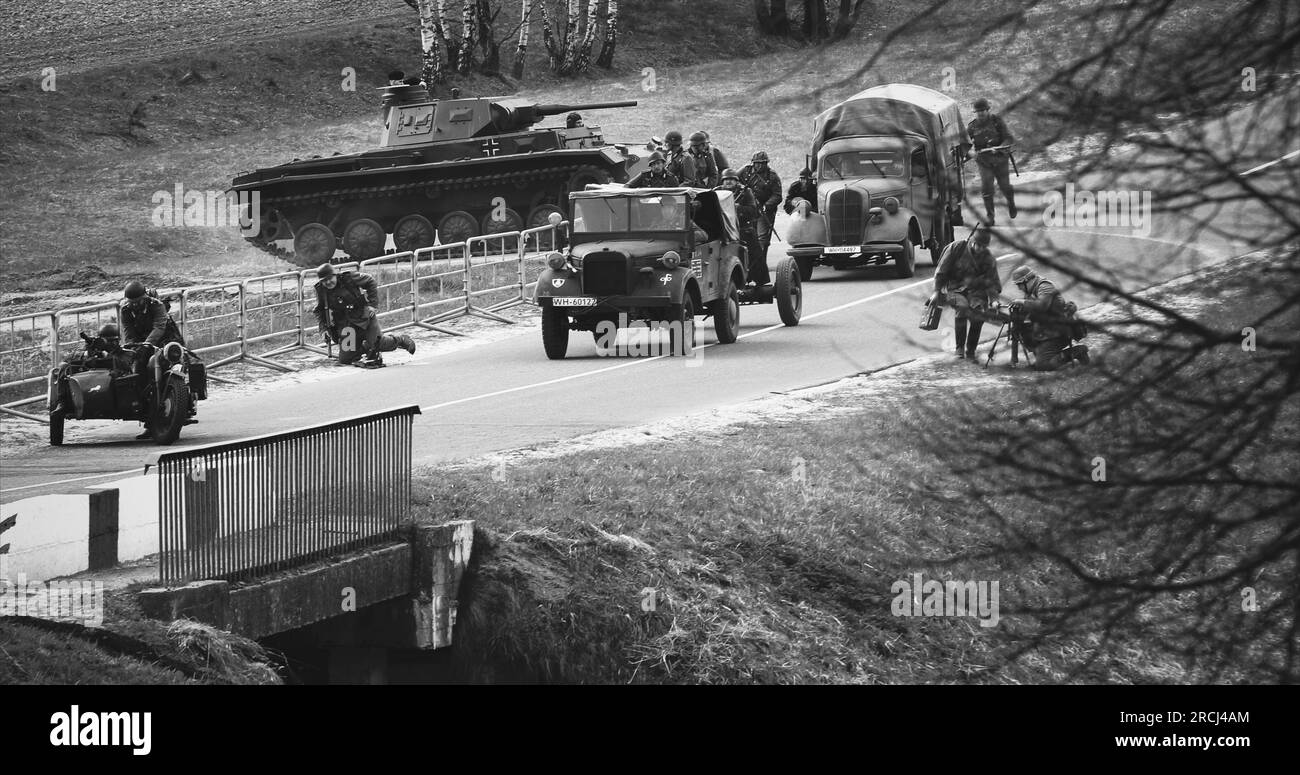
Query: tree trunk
780,19
553,53
487,40
606,58
521,50
467,25
582,59
848,16
764,15
571,41
430,47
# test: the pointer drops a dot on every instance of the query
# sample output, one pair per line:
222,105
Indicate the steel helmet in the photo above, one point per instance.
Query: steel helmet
981,104
698,138
730,174
761,156
982,237
805,173
110,331
1022,274
572,120
325,270
656,156
133,290
673,138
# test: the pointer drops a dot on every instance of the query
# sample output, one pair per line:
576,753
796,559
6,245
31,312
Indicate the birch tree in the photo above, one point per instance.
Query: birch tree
606,58
521,50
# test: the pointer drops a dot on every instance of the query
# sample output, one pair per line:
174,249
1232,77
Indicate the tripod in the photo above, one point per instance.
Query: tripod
1011,330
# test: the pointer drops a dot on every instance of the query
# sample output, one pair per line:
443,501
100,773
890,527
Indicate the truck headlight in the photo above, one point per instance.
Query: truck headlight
670,260
891,204
556,261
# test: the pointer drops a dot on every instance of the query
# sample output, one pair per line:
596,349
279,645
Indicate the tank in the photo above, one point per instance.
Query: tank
445,170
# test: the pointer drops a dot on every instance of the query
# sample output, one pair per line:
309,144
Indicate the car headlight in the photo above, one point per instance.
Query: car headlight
556,261
670,260
891,204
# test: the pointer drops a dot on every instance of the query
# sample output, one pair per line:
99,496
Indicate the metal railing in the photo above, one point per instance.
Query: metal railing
241,509
260,318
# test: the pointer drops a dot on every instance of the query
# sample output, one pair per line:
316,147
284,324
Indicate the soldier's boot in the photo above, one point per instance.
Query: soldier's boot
988,209
961,337
1011,203
406,343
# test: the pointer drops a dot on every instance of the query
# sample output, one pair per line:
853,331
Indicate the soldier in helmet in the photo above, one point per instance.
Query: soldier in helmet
719,158
804,188
345,314
573,120
748,216
656,177
988,131
968,278
706,170
1046,327
144,318
766,185
680,163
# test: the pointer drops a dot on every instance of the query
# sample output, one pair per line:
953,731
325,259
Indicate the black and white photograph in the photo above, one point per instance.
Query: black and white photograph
608,342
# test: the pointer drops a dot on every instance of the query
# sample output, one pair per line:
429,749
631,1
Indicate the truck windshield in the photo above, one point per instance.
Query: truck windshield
863,164
644,213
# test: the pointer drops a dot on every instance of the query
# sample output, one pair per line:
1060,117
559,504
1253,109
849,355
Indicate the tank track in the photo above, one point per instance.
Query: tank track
373,192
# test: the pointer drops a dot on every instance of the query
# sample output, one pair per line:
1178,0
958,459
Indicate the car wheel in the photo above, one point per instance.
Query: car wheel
905,260
726,314
166,421
681,329
555,333
805,268
789,293
56,428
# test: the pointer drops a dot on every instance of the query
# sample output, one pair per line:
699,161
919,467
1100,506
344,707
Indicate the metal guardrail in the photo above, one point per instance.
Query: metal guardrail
257,319
241,509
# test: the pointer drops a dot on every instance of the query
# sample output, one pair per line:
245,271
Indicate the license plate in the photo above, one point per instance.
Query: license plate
844,249
573,301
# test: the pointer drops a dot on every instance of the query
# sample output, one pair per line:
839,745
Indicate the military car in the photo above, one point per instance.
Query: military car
662,256
888,162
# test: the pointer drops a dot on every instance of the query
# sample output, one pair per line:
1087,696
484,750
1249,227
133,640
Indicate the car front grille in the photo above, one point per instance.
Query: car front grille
605,274
844,217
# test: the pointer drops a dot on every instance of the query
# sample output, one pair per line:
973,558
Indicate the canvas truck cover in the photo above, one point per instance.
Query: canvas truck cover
891,110
718,206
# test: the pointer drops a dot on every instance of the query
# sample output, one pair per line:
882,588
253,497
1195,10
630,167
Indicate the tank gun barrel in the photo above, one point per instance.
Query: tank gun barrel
555,110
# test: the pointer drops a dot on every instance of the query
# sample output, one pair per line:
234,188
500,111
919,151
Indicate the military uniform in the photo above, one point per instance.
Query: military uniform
969,279
767,190
987,132
148,323
706,171
747,217
1046,330
681,165
348,306
798,190
652,179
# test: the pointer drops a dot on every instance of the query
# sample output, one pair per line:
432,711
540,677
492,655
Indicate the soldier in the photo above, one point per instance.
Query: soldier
679,161
572,121
968,277
766,185
719,158
747,214
657,176
345,315
144,318
989,132
1046,327
706,170
804,188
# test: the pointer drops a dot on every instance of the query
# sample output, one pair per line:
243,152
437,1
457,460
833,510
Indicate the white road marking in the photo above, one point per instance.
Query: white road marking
127,472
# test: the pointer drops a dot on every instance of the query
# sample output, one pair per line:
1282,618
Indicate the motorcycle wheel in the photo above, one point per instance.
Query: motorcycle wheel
167,419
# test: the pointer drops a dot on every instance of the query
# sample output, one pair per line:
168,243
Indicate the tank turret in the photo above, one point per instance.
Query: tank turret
444,170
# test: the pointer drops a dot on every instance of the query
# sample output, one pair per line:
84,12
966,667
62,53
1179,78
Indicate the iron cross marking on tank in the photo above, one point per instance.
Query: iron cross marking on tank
491,147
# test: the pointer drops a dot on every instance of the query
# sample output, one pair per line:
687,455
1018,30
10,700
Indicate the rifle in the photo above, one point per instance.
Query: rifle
1010,155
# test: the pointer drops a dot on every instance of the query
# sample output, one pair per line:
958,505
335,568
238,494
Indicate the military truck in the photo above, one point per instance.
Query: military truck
662,256
888,164
445,170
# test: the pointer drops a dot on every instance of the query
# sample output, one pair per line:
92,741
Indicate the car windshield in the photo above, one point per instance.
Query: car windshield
659,212
862,164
